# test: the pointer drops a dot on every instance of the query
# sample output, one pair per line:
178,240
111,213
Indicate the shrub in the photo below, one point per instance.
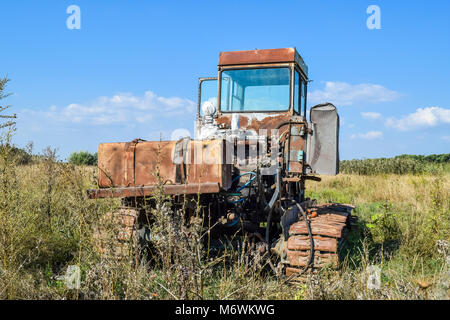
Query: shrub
433,158
83,158
20,156
383,224
404,164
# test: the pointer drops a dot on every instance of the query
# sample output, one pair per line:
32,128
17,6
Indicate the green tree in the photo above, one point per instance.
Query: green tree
83,158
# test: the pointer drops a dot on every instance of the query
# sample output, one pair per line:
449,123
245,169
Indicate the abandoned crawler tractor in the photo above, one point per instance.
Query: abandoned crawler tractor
247,165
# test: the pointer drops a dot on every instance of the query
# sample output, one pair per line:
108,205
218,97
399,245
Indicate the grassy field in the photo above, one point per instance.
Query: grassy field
46,224
405,164
402,220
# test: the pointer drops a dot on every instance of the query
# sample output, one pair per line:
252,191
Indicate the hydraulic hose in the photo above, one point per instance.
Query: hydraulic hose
311,240
247,183
271,204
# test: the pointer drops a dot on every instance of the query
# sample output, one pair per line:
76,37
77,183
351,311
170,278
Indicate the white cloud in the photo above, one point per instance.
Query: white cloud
345,94
368,136
144,118
446,138
423,117
121,108
371,115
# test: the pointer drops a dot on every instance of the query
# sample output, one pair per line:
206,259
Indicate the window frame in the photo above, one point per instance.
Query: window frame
297,111
251,67
306,97
303,81
199,98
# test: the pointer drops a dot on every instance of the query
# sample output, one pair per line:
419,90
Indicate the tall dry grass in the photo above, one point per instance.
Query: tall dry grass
47,223
404,222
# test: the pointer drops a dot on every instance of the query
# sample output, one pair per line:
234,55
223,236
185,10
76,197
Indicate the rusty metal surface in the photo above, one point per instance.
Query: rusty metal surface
296,145
119,167
329,225
208,163
175,189
137,164
263,56
256,121
257,56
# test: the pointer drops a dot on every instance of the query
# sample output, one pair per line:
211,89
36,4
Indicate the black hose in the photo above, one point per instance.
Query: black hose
269,217
311,240
271,204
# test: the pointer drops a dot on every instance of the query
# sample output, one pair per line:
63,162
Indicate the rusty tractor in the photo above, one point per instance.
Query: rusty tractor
247,164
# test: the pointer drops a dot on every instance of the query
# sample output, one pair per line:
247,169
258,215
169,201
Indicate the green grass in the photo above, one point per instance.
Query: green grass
400,219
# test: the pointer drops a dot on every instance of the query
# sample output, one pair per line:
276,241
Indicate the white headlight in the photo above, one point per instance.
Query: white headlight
208,108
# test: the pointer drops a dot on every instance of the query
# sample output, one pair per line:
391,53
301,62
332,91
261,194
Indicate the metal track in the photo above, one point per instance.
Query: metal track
115,236
329,225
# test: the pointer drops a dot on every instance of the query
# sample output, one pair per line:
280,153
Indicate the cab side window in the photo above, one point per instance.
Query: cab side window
303,98
208,92
299,94
297,81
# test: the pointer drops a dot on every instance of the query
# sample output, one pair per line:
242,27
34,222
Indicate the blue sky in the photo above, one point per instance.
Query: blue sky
131,70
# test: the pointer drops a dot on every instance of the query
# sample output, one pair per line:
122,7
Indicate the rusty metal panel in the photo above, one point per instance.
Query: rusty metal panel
264,56
121,167
136,163
208,163
295,150
256,121
177,189
257,56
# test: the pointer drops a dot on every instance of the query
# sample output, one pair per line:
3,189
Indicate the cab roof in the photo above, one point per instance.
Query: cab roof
264,56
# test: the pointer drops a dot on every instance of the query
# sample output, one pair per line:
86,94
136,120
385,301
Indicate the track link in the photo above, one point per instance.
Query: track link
115,236
329,224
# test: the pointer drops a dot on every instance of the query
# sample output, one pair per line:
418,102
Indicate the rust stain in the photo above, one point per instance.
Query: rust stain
118,167
258,121
257,56
143,191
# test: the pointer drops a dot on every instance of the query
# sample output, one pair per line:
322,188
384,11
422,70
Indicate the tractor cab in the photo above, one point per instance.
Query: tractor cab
255,89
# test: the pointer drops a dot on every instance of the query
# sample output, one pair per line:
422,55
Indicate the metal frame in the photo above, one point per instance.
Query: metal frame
247,67
304,79
200,81
143,191
293,66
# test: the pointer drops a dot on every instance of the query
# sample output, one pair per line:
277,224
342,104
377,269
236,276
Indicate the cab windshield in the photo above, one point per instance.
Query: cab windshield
263,89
